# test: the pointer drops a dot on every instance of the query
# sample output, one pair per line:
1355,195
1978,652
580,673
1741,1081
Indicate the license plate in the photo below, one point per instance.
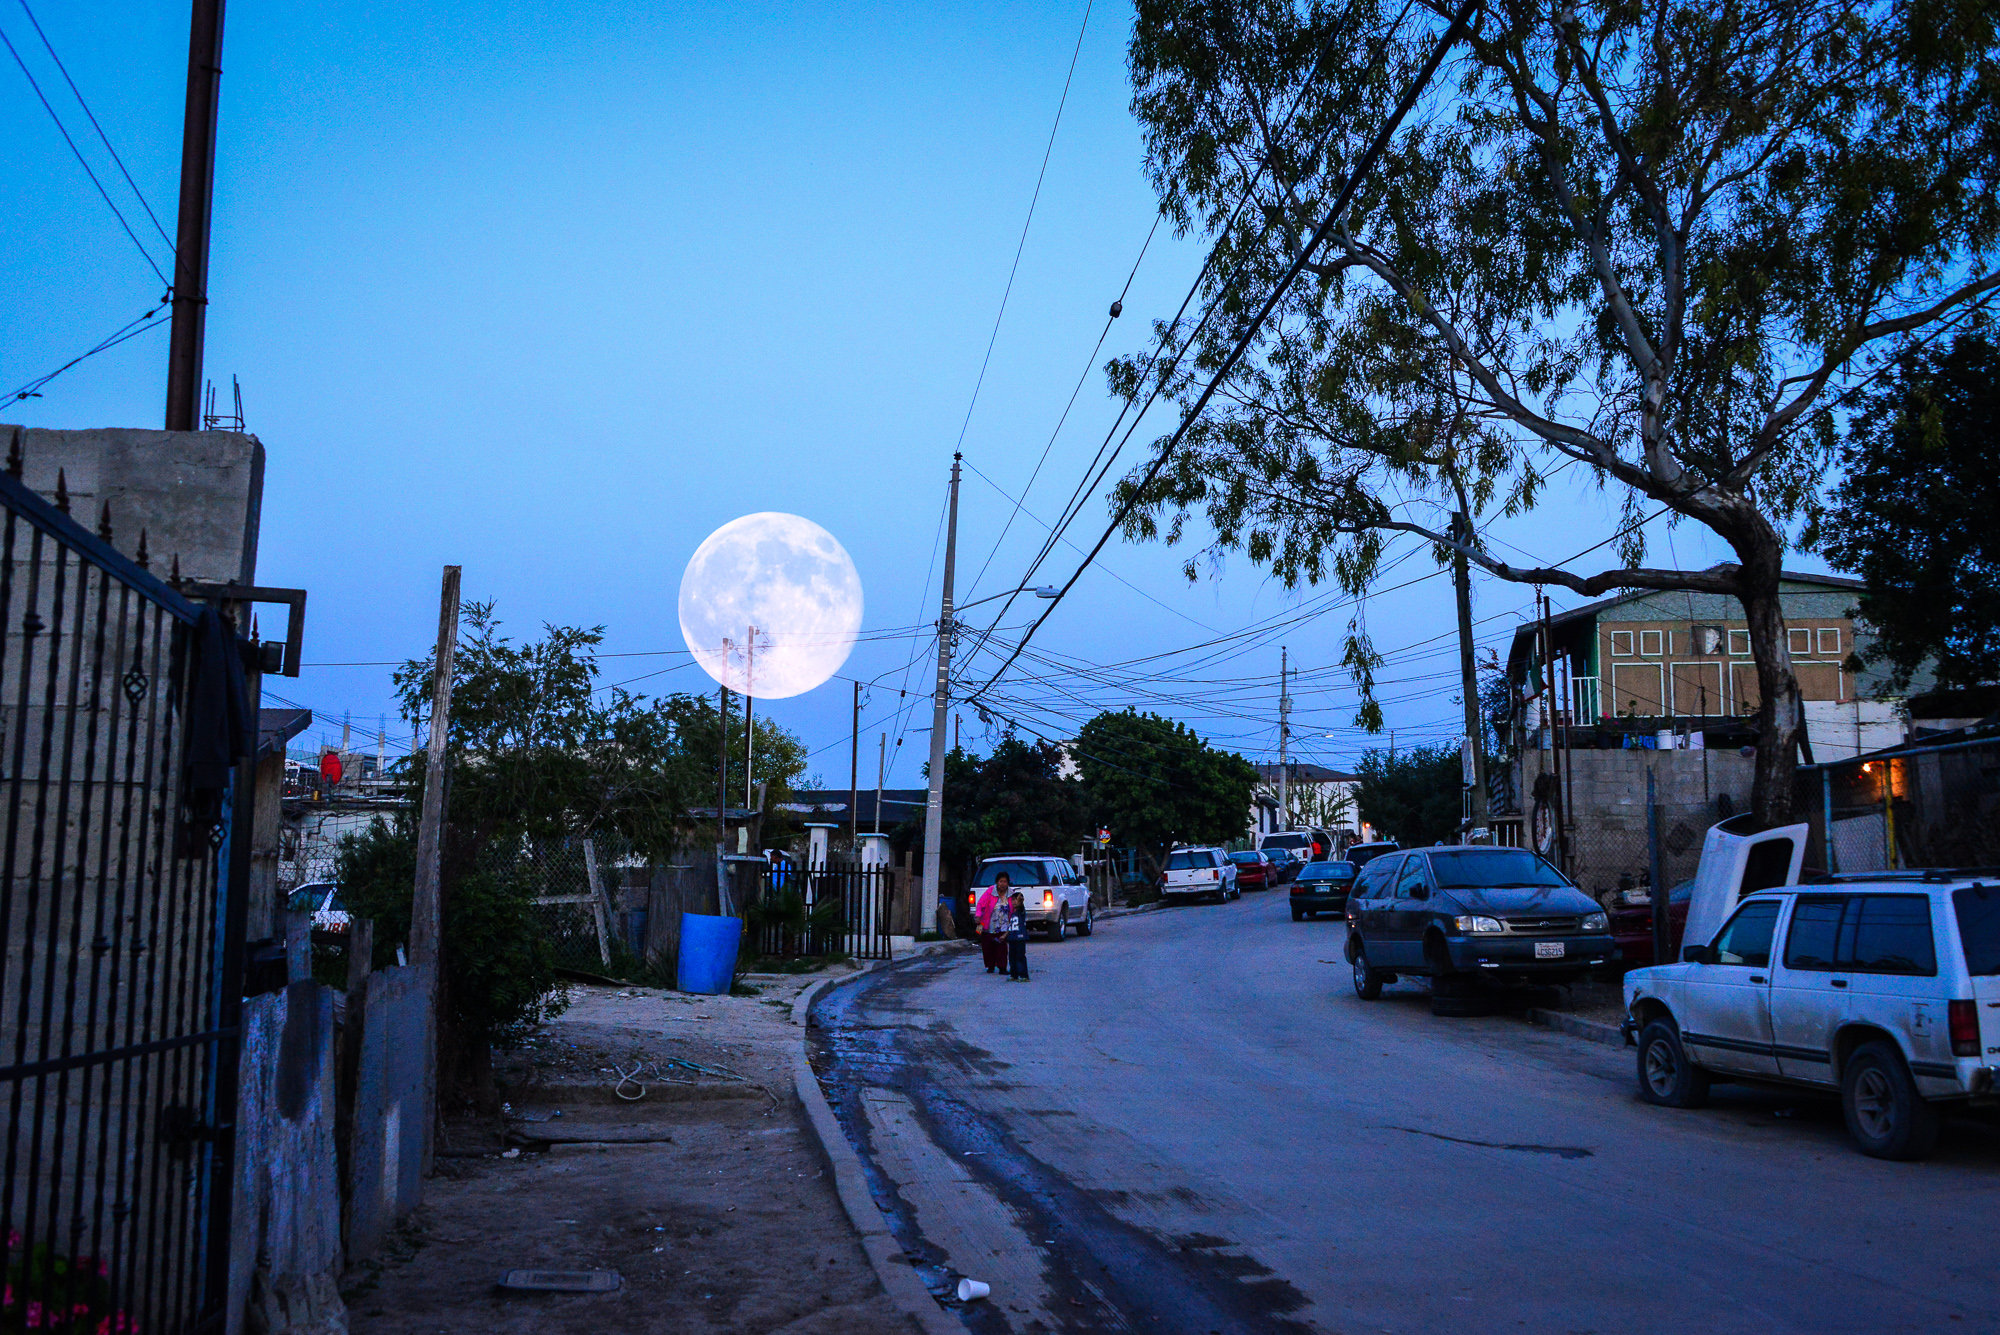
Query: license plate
1548,950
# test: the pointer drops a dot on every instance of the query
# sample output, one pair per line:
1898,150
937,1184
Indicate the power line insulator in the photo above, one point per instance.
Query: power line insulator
1117,309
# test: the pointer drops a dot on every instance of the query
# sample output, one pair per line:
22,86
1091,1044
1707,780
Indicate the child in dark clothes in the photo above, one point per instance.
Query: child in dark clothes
1017,938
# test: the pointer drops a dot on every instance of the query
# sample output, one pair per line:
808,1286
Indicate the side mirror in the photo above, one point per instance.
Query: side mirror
1695,955
1420,892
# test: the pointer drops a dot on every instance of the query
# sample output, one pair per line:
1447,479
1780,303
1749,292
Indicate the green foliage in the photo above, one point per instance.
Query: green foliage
1650,239
1414,797
1156,783
1914,516
499,976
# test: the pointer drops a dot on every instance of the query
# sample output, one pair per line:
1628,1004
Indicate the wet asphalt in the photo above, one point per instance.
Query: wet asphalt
1197,1127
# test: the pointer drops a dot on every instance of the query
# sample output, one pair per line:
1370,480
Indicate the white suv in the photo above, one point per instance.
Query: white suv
1885,987
1192,871
1054,891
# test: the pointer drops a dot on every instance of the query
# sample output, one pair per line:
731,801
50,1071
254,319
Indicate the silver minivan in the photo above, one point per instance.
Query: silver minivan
1884,987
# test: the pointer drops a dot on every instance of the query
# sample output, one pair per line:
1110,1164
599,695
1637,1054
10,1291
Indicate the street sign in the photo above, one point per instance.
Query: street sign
1103,837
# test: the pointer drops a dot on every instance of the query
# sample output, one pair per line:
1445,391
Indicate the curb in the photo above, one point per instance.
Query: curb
1593,1030
899,1281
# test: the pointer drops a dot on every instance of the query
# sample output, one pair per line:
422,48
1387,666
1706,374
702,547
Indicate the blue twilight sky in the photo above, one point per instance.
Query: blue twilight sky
552,291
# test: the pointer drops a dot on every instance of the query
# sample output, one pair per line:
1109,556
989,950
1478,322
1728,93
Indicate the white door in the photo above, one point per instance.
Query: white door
1728,1022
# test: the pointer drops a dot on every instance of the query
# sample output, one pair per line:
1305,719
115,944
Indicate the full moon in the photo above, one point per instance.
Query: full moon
770,605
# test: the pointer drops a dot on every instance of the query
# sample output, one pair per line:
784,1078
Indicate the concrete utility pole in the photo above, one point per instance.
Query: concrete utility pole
1468,672
190,279
881,775
1284,738
934,802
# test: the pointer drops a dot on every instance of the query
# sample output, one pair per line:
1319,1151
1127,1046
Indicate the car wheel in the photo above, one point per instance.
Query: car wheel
1298,914
1060,927
1667,1078
1886,1116
1367,981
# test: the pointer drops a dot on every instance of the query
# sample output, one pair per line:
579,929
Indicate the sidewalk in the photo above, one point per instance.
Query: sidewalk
707,1196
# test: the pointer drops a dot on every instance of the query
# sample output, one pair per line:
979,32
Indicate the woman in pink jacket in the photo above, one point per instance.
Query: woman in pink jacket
992,939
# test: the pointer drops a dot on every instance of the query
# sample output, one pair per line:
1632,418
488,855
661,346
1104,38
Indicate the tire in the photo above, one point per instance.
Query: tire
1089,923
1060,927
1298,914
1886,1116
1367,981
1667,1079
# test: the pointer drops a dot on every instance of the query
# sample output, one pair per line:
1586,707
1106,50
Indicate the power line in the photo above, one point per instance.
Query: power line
83,162
1361,168
1022,244
130,329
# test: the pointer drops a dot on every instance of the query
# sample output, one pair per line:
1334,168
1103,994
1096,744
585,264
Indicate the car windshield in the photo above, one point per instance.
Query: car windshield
306,899
1019,871
1493,868
1327,871
1287,841
1978,908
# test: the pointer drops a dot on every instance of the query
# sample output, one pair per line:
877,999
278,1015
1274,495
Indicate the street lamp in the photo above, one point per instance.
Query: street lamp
1041,591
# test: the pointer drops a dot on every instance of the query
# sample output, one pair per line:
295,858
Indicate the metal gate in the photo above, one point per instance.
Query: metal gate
121,929
830,909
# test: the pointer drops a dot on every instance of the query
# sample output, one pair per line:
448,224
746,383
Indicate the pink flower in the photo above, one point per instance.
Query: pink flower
13,1237
7,1300
79,1311
34,1315
104,1270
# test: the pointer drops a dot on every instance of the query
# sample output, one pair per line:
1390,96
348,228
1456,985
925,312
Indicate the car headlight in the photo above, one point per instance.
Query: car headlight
1478,924
1596,922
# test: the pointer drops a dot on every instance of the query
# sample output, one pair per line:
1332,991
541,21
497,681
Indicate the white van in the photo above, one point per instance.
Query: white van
1192,871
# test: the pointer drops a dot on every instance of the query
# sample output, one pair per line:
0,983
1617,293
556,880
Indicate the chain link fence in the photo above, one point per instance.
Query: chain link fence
1932,805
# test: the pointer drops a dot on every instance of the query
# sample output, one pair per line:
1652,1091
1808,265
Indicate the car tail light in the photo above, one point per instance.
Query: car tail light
1964,1020
1048,899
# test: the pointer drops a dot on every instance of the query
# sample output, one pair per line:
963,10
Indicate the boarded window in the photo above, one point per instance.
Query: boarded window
1744,694
1739,642
1818,681
1829,641
1636,690
1621,643
1698,689
1801,639
1650,643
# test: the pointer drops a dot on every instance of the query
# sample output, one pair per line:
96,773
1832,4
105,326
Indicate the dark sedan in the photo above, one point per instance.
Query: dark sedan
1285,865
1321,888
1454,914
1253,871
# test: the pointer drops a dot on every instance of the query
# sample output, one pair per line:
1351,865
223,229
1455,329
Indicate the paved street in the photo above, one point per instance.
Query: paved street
1189,1123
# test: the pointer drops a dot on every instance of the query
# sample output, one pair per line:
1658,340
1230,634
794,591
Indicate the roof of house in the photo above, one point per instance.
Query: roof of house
1302,772
831,805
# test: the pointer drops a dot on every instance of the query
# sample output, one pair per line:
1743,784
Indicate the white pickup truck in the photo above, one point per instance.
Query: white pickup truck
1884,986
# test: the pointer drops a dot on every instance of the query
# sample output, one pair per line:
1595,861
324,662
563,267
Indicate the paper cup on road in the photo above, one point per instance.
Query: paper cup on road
970,1289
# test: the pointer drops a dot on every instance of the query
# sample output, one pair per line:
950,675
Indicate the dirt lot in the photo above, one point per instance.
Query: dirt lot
706,1195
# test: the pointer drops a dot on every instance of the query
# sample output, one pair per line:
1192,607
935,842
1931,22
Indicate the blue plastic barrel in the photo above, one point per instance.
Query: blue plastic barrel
708,952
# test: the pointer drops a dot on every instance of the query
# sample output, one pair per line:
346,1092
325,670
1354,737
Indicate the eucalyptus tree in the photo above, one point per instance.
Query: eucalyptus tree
1660,241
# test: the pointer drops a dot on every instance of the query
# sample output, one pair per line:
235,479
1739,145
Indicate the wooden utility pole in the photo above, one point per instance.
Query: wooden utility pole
426,908
1284,739
190,316
1468,671
427,903
934,801
854,776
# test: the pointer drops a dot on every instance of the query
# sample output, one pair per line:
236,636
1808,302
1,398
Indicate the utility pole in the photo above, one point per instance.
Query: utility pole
881,775
722,904
1284,738
934,802
190,317
1468,672
427,902
749,736
854,776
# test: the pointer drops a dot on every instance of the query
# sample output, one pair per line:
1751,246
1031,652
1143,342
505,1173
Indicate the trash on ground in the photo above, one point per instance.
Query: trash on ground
562,1281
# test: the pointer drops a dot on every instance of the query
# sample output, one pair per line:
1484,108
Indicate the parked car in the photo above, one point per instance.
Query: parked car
1054,891
1363,854
322,900
1457,913
1884,987
1305,845
1254,871
1322,888
1198,871
1632,928
1285,865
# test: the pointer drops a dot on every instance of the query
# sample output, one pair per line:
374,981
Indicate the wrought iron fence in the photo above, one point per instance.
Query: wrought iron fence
121,918
831,909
